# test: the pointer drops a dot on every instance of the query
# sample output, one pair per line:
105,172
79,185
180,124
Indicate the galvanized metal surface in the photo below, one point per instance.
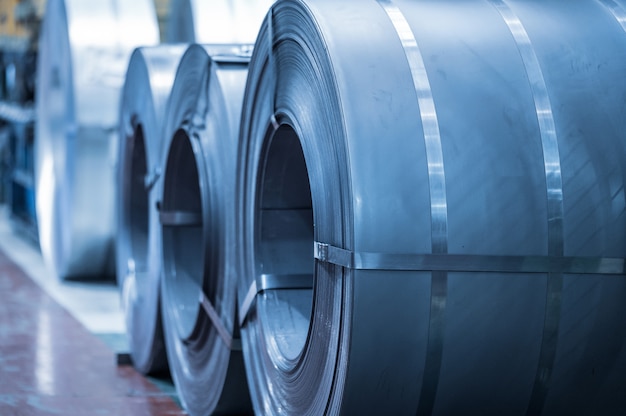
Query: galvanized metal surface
198,230
149,79
83,55
483,133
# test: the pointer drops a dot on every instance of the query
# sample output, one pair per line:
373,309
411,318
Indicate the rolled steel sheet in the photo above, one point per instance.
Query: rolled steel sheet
215,21
198,236
149,80
83,55
448,176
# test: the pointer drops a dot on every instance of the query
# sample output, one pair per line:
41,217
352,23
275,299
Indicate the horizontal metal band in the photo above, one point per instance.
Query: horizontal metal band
16,113
231,59
272,282
284,281
180,218
468,262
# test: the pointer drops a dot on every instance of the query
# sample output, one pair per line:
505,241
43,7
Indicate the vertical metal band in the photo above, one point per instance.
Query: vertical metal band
554,188
270,59
438,203
617,11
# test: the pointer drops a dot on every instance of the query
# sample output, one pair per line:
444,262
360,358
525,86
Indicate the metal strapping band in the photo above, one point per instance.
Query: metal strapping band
438,202
272,282
239,54
469,262
216,321
617,11
554,188
180,218
151,179
274,122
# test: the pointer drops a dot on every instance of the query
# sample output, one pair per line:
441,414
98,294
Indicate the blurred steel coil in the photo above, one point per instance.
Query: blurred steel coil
198,237
448,178
83,55
149,80
215,21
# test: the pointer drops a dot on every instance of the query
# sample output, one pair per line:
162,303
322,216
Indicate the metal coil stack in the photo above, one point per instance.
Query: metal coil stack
380,207
431,208
84,51
148,84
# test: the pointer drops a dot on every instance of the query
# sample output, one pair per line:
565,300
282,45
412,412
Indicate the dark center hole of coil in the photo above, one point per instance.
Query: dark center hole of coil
284,245
138,202
181,221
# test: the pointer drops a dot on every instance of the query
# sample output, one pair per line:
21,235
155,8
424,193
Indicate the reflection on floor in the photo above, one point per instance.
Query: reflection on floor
51,364
95,304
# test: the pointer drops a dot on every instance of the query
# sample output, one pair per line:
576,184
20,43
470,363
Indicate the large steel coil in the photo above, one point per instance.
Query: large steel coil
198,237
431,208
83,55
215,21
149,80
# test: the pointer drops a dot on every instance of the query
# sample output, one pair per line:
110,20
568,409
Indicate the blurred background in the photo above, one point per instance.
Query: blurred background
20,21
53,331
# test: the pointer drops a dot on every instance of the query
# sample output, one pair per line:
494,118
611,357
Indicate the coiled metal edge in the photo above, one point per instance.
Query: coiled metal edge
83,55
198,235
393,136
215,21
149,80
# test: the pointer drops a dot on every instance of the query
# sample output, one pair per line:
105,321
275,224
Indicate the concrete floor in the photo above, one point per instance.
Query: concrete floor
58,343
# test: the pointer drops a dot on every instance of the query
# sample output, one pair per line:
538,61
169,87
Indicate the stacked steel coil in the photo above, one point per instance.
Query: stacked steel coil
148,84
84,51
431,208
404,207
198,236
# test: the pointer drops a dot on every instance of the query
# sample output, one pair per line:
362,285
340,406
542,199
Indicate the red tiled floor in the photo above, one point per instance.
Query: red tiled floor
51,365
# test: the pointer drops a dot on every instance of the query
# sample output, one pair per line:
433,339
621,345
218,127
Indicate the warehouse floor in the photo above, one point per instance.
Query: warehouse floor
58,343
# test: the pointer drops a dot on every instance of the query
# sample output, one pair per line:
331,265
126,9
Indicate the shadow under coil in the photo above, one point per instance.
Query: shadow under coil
149,80
84,50
449,177
198,230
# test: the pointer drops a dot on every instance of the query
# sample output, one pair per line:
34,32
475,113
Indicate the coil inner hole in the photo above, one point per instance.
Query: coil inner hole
138,202
284,245
182,225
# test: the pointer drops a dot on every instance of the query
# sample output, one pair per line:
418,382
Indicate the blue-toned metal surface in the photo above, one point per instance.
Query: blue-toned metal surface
84,51
341,162
149,79
196,195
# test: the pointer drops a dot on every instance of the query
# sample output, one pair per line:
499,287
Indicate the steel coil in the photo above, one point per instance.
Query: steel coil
149,80
83,55
215,21
431,208
198,237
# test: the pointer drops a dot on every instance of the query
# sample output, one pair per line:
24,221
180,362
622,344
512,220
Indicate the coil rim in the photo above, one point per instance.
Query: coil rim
310,379
201,128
